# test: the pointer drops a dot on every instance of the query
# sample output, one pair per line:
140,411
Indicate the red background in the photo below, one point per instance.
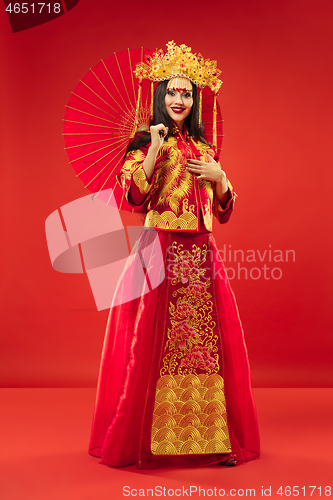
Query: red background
277,106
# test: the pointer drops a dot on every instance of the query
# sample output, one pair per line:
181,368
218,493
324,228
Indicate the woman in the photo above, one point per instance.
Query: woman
174,385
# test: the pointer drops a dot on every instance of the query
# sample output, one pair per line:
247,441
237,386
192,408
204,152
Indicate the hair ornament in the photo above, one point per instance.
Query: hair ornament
179,61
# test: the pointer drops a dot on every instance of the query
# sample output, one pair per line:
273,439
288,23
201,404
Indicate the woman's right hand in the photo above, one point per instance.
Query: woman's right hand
156,142
157,139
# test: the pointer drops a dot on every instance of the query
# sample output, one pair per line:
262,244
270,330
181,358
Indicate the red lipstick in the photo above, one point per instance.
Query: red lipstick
177,110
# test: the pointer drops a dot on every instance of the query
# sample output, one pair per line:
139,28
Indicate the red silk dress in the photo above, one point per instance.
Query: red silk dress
174,383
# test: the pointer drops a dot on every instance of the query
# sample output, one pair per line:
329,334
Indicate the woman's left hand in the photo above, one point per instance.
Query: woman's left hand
210,170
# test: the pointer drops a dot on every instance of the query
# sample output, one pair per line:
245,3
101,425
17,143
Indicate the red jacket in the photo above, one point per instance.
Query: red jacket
175,200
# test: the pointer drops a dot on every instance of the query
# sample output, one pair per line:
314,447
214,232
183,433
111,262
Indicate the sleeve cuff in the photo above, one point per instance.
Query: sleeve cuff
134,181
141,181
223,213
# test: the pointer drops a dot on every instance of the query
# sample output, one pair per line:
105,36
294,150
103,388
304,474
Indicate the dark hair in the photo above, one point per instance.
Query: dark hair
161,116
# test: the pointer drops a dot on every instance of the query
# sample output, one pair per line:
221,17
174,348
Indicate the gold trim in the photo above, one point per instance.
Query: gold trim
169,220
183,425
200,108
140,179
214,122
151,99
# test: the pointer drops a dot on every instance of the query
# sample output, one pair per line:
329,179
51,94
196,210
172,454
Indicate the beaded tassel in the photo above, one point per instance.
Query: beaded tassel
137,109
151,99
214,123
200,108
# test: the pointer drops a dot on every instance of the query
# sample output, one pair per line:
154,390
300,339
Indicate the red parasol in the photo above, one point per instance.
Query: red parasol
100,120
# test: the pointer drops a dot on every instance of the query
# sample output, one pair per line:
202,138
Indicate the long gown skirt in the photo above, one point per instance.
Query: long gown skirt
174,384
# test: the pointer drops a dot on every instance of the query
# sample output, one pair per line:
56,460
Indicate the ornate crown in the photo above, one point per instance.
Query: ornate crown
179,61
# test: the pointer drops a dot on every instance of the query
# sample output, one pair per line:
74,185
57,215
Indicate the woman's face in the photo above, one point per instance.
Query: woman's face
179,102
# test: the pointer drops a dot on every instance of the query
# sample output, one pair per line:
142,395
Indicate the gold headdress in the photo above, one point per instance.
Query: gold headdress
179,61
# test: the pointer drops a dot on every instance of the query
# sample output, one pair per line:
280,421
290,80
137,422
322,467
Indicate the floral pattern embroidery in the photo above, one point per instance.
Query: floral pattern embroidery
191,346
180,333
199,357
